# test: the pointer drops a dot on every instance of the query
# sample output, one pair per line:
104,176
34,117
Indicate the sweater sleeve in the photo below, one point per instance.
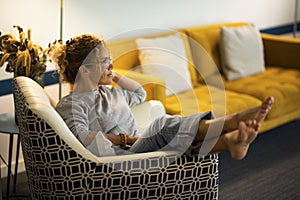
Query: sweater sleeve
134,97
74,113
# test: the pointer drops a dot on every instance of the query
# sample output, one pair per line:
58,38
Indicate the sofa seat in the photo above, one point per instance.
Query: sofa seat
209,98
282,83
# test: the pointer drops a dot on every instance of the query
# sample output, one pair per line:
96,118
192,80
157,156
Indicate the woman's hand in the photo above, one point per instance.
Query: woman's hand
116,139
131,139
124,81
116,76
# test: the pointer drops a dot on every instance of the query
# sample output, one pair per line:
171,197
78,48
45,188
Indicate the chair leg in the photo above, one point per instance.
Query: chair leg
0,179
17,163
11,142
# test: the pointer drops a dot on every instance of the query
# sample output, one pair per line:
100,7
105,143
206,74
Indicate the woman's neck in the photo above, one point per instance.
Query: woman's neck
84,87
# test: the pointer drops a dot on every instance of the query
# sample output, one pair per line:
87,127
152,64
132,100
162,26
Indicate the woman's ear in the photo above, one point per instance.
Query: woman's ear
83,69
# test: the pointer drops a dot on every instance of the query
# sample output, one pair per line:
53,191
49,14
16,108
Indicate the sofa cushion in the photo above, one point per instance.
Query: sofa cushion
282,83
211,98
207,37
241,51
166,57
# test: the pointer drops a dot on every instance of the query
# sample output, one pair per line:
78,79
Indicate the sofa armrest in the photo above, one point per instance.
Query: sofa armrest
281,51
154,86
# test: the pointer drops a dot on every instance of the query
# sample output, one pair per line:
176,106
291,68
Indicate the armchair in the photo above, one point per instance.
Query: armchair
58,166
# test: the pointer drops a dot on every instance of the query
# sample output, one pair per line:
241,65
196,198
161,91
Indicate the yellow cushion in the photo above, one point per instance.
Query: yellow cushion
204,98
124,53
282,83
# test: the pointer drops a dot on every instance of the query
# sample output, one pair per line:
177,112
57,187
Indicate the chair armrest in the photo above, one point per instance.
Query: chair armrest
147,112
154,86
281,51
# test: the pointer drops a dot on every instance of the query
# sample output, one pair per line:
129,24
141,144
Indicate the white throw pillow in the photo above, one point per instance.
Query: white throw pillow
241,51
166,58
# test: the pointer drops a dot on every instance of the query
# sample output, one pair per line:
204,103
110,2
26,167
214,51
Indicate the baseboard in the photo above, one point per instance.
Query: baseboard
282,29
4,168
50,78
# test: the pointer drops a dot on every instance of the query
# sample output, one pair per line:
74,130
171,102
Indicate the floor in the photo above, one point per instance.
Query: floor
22,190
270,171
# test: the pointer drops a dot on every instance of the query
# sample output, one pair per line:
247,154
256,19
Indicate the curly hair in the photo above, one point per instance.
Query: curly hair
69,57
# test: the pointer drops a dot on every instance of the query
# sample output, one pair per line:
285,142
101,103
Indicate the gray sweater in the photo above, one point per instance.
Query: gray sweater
106,110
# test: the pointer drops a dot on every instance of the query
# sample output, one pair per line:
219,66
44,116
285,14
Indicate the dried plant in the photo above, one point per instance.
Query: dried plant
22,56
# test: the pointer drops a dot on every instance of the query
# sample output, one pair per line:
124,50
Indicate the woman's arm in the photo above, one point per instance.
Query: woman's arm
133,92
115,139
125,82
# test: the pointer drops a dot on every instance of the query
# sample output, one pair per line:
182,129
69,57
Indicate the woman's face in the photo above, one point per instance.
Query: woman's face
107,67
101,70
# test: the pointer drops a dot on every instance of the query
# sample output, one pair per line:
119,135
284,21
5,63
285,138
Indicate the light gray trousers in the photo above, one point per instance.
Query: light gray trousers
174,133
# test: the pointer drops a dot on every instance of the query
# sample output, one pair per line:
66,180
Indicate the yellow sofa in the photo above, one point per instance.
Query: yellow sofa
211,90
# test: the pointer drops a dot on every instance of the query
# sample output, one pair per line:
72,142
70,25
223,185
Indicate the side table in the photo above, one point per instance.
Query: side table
0,182
8,126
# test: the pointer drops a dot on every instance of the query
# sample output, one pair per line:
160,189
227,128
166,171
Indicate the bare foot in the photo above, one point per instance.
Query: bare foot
257,113
232,121
264,109
238,141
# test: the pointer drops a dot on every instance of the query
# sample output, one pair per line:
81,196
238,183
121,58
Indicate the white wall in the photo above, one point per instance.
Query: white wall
109,18
112,18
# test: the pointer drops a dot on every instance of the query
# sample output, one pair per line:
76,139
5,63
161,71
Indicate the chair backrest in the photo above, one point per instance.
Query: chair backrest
50,150
30,95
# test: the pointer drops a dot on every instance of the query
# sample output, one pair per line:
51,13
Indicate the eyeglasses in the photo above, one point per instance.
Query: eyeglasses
105,62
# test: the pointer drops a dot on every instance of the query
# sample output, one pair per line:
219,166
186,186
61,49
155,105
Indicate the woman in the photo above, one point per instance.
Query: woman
99,115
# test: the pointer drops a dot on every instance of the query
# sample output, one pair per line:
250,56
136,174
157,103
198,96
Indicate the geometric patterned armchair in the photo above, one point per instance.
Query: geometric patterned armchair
59,167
